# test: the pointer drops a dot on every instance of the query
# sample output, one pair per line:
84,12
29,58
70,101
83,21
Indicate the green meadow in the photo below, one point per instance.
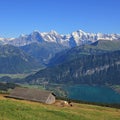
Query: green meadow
12,109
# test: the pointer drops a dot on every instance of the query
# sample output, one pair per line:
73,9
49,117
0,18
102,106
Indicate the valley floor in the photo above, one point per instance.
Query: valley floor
12,109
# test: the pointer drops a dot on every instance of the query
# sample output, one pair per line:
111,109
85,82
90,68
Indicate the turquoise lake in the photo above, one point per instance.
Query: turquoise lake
98,94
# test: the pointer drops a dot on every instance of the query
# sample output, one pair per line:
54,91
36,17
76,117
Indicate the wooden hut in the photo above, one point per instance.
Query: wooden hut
33,94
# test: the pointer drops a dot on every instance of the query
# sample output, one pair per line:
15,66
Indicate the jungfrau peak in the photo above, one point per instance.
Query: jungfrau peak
74,39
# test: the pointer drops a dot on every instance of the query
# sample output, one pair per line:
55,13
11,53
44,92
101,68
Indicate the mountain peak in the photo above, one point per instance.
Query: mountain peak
53,32
22,35
81,31
36,31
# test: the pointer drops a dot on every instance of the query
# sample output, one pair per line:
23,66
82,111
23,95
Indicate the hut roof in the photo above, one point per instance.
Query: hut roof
30,94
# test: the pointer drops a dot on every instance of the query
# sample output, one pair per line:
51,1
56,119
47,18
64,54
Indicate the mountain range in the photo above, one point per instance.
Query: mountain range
88,64
75,58
70,40
44,46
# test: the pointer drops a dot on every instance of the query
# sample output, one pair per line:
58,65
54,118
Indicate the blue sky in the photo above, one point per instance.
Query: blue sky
64,16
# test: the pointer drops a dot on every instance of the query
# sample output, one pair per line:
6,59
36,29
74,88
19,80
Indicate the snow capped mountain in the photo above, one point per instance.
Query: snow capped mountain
82,37
4,41
1,39
51,36
74,39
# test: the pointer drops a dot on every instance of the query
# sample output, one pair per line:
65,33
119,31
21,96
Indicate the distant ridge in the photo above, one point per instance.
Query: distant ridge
83,65
14,60
107,45
79,68
76,38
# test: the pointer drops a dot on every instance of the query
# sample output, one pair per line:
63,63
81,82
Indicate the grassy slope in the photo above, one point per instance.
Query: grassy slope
11,109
